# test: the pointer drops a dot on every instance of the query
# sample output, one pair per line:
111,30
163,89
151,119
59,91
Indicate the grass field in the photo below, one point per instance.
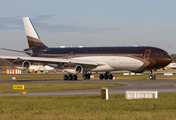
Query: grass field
82,107
34,87
55,77
87,107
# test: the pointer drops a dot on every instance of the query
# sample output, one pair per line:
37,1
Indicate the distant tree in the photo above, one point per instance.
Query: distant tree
173,57
5,63
1,64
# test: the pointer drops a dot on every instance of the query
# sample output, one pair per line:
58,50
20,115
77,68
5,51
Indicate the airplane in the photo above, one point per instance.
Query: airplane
35,68
172,66
85,60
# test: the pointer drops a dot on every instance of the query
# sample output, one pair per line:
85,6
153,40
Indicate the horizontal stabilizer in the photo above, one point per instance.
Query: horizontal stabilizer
28,52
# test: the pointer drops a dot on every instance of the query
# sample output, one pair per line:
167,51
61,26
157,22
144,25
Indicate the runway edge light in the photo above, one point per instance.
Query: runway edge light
23,93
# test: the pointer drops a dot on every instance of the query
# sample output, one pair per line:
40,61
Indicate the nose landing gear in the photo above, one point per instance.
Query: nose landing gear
152,76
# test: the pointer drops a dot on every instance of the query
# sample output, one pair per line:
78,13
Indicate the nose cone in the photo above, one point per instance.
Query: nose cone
163,62
168,59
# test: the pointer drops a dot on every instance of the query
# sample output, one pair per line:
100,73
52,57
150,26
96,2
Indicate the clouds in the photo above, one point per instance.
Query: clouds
10,23
72,28
16,23
90,23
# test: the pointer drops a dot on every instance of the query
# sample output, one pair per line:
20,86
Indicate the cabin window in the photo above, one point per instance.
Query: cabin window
162,54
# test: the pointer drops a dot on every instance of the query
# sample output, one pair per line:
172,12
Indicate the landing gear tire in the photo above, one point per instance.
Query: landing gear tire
75,77
110,76
65,77
106,76
101,76
86,76
152,77
70,77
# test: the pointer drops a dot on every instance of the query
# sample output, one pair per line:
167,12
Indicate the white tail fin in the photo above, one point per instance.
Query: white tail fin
29,28
32,36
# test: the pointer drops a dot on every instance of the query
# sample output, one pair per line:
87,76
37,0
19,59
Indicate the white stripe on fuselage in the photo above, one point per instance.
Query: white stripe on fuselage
113,63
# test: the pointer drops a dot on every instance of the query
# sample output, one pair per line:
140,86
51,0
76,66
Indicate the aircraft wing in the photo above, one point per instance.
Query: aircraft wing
54,60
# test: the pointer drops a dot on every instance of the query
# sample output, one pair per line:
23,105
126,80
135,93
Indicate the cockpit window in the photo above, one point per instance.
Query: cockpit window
162,54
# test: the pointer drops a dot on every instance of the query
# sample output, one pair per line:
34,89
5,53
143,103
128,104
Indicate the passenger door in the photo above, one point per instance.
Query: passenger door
147,54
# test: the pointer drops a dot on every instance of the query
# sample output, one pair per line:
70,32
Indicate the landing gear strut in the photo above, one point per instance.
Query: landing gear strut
70,77
106,76
152,76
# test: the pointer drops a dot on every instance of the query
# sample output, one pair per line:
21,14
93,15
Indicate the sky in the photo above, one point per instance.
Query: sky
89,23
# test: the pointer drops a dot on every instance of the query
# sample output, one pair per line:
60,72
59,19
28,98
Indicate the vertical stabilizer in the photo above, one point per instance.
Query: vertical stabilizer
32,36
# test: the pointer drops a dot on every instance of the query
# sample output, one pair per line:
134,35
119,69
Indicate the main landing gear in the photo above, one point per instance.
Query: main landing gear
106,76
70,77
86,76
152,76
74,77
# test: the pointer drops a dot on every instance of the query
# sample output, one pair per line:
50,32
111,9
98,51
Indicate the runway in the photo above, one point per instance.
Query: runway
160,85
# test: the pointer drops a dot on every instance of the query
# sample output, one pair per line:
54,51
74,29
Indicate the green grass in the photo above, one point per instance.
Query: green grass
55,77
33,87
88,107
31,77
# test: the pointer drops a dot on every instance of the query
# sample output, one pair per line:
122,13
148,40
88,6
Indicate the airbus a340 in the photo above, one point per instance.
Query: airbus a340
85,60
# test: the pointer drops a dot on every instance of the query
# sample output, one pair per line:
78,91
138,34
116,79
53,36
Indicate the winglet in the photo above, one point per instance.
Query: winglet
32,36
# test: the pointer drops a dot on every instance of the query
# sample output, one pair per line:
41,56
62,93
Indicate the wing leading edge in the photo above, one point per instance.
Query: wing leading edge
54,60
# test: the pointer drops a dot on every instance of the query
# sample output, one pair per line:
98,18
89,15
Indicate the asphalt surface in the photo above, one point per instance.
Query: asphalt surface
160,85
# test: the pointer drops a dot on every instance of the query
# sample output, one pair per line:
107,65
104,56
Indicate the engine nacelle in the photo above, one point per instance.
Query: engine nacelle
21,64
74,69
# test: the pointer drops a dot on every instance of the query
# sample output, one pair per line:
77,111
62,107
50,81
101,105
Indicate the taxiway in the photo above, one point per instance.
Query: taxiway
160,85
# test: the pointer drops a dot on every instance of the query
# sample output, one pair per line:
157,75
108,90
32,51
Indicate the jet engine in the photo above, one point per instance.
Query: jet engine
21,64
73,68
